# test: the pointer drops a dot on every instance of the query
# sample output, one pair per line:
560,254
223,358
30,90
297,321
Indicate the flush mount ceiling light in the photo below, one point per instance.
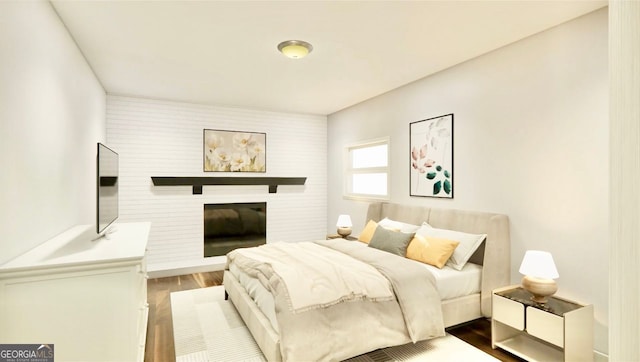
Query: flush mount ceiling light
295,49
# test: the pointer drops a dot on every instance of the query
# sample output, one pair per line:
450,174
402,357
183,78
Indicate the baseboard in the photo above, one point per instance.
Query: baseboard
600,357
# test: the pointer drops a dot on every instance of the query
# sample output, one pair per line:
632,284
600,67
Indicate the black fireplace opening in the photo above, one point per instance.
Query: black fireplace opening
234,225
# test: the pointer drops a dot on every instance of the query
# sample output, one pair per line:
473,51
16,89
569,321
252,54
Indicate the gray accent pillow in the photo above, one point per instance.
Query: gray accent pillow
394,242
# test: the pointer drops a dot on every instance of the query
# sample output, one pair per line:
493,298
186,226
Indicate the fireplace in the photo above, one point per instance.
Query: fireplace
234,225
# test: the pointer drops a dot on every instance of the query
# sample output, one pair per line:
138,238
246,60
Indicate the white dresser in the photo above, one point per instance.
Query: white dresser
87,298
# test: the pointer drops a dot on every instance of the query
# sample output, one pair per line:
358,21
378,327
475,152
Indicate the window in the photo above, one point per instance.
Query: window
367,170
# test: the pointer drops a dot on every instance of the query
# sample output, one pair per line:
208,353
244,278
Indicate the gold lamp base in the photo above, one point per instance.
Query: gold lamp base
540,288
344,231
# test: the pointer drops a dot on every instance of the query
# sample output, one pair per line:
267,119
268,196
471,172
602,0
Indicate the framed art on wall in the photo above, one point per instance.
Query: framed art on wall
234,151
431,157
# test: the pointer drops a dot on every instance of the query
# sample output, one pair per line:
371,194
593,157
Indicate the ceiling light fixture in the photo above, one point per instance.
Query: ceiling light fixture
295,49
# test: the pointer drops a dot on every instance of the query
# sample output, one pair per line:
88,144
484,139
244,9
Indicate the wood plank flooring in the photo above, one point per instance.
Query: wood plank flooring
160,346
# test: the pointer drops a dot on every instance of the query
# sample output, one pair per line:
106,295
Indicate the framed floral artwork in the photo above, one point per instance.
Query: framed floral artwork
431,157
234,151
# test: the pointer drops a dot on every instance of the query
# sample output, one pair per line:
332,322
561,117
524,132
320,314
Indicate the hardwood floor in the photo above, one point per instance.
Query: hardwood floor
160,346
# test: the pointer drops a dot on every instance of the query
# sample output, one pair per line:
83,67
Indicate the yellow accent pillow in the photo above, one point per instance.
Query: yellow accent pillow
367,233
430,250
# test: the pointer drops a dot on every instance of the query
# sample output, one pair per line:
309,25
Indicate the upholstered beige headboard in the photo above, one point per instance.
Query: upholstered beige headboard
494,254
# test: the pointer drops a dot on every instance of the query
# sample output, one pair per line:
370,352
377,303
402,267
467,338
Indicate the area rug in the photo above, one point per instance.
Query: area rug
208,328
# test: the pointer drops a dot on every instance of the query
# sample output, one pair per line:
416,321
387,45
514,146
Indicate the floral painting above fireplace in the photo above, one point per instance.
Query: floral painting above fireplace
234,151
431,157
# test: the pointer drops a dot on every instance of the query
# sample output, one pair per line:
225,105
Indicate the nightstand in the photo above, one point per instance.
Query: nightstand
559,330
336,236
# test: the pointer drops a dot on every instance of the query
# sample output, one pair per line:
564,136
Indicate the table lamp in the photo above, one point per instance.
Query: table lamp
344,225
539,272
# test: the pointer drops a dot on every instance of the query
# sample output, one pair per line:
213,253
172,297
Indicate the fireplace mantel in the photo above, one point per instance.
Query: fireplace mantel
198,181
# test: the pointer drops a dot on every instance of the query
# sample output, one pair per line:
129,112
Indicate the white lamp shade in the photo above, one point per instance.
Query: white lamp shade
538,264
344,221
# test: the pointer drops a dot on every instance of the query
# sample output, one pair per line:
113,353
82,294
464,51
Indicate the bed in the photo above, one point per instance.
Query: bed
490,264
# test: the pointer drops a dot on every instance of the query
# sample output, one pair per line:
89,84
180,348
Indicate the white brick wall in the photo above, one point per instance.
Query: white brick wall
161,138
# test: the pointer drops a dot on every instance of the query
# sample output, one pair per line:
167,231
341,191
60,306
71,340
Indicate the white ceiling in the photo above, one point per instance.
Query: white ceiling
224,52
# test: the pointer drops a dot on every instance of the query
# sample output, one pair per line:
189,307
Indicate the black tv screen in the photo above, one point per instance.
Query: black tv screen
107,188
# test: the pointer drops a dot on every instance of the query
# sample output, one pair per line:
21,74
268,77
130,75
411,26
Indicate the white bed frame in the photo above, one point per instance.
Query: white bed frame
493,255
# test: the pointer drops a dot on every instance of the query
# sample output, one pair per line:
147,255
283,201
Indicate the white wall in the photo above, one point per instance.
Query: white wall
52,113
624,253
161,138
530,141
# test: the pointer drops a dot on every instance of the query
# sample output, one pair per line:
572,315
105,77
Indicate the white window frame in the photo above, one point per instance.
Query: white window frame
349,171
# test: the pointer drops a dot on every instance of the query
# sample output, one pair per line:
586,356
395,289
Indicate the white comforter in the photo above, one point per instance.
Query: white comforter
314,276
327,312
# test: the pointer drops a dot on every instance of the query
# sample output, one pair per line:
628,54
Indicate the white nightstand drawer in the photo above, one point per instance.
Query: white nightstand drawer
546,326
508,312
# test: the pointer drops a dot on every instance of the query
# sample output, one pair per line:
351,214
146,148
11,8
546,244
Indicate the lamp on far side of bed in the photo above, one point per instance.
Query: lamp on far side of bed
344,225
539,272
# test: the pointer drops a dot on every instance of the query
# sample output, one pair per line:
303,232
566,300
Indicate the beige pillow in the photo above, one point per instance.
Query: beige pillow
367,233
430,250
468,243
398,226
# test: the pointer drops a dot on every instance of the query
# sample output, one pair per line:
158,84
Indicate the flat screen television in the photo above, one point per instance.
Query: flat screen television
107,188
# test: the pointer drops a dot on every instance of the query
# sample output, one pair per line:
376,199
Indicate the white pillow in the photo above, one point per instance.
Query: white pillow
398,226
469,243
